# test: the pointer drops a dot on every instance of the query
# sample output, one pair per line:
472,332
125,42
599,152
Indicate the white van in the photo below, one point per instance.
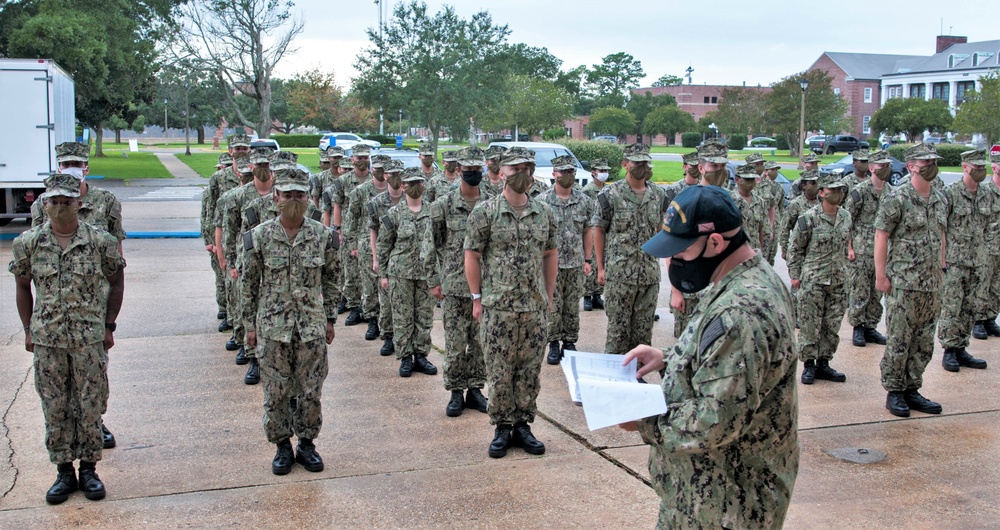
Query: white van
544,153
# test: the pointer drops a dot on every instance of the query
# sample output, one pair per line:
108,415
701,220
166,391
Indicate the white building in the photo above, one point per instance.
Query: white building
947,75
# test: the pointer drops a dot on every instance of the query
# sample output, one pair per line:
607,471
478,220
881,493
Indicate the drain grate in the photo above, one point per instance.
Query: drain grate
857,455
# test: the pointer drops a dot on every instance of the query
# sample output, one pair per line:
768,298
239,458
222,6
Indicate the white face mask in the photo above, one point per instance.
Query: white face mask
603,177
77,172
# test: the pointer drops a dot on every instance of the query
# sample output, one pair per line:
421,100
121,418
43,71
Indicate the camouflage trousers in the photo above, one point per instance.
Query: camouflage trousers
369,285
236,314
292,370
989,290
910,320
71,383
821,310
220,284
865,307
464,365
351,287
681,319
513,346
105,383
630,310
384,312
770,244
591,287
960,303
564,318
412,316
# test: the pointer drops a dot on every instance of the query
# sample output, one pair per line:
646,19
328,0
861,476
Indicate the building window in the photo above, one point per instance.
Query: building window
706,99
956,59
868,95
864,124
895,91
715,99
918,91
836,91
941,91
961,88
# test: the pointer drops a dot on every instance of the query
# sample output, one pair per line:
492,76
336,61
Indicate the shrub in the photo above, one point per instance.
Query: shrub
737,142
951,155
874,144
383,139
765,143
690,139
552,134
297,140
782,143
591,149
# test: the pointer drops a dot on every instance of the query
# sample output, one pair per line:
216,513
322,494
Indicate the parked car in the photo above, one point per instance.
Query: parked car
780,179
762,141
510,138
607,138
812,138
544,153
837,143
346,140
265,142
936,140
845,166
408,156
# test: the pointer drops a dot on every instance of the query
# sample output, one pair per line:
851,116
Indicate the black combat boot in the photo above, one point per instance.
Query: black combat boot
588,303
919,403
108,438
455,405
422,365
527,441
827,373
948,361
598,302
90,483
992,329
896,405
965,359
501,441
283,458
568,346
555,353
253,372
979,330
872,335
225,326
354,318
406,366
388,348
65,484
305,454
809,372
221,315
373,331
858,338
474,399
342,306
231,344
241,356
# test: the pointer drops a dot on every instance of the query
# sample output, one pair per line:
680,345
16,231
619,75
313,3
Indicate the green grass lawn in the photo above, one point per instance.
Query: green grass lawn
137,166
204,163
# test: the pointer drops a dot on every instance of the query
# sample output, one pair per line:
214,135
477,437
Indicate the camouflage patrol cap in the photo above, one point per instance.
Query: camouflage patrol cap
563,162
261,155
976,157
922,151
747,171
517,155
879,157
61,184
831,180
861,155
809,174
449,156
753,158
995,158
495,151
713,151
361,150
695,212
334,151
284,160
225,159
243,166
771,164
637,152
239,140
691,159
426,149
72,152
291,179
346,163
413,174
380,160
393,166
811,158
471,156
600,163
323,157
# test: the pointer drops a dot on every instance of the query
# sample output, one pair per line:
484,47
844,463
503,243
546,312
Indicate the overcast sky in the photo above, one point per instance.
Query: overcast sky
726,42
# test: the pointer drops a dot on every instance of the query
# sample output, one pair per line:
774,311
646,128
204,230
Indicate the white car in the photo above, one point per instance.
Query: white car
544,153
346,140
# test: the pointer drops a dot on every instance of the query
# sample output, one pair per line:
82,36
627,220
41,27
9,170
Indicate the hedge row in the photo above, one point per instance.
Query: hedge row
591,149
297,140
737,142
690,139
951,155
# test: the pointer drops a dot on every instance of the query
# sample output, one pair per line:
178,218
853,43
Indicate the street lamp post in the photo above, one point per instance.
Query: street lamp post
381,116
804,83
165,135
187,119
401,122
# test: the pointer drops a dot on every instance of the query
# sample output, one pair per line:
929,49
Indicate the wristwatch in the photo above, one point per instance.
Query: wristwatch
476,296
110,326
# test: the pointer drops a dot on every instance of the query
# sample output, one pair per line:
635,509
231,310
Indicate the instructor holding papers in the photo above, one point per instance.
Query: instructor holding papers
726,452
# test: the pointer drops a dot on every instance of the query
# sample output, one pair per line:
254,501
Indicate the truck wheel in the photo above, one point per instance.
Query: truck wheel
829,150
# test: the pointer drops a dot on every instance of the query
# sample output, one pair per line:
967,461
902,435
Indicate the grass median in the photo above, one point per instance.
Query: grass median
113,165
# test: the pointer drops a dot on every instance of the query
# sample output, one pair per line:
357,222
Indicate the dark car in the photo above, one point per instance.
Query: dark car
845,166
780,179
837,143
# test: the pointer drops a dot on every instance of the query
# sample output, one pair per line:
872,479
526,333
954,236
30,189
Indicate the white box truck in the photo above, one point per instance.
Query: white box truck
37,112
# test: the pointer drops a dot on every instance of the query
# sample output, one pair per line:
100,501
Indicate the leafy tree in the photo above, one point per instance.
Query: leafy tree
642,104
980,111
574,82
612,79
668,80
612,120
521,59
315,99
911,116
741,111
441,69
281,113
531,104
824,109
668,121
205,98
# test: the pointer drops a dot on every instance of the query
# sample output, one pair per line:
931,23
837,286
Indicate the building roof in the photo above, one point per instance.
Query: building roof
873,65
960,56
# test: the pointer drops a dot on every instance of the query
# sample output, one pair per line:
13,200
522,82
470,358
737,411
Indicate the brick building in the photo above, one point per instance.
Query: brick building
698,100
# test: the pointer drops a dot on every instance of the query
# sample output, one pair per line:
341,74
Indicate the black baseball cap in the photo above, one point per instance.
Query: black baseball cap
695,212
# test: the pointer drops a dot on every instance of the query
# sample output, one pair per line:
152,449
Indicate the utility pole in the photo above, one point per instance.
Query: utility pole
165,135
187,119
381,116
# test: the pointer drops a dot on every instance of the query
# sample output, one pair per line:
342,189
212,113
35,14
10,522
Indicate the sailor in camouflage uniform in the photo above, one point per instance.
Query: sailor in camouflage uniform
776,193
376,208
334,155
592,290
797,206
861,160
754,207
572,210
493,182
865,301
510,263
819,248
809,163
969,209
444,182
357,219
909,258
289,299
69,326
691,177
405,263
336,204
989,291
464,365
629,212
426,154
726,453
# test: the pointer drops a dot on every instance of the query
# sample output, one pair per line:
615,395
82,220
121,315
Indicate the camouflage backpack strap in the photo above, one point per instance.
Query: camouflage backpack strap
715,329
252,218
248,240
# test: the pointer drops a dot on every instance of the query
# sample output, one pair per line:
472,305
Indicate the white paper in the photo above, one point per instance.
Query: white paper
603,366
607,403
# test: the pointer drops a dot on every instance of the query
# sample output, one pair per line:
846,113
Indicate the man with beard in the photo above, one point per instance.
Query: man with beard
376,208
865,301
726,453
336,203
358,223
442,183
288,291
572,210
464,366
404,267
493,183
969,209
593,291
989,290
334,155
510,264
629,210
909,258
753,206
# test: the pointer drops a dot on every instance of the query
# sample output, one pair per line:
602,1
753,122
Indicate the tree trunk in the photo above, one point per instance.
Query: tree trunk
201,135
118,136
99,140
264,120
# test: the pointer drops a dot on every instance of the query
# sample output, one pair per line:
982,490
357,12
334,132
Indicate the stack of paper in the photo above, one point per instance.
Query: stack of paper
609,392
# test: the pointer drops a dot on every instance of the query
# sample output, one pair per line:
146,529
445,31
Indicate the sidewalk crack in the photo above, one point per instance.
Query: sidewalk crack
6,433
595,449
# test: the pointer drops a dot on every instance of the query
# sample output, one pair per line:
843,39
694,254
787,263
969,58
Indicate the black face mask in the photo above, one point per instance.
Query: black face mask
472,177
691,276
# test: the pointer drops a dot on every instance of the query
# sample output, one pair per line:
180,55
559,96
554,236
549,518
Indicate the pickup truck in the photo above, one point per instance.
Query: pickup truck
835,143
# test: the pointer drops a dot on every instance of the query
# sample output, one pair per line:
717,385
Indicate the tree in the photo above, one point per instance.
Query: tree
521,59
532,104
824,109
205,97
441,68
668,121
612,120
741,111
574,82
980,111
282,116
641,105
911,116
668,80
239,42
612,79
316,100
